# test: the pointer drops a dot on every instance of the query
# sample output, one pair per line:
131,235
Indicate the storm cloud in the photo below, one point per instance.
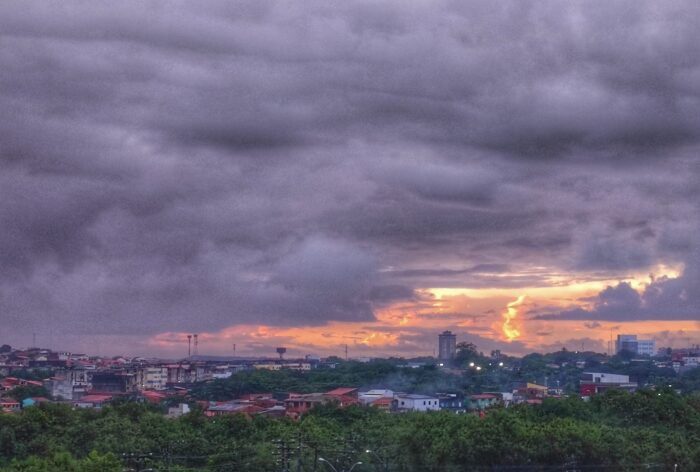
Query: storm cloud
181,166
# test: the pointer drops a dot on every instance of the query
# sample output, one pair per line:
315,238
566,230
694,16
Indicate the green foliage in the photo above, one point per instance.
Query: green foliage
617,430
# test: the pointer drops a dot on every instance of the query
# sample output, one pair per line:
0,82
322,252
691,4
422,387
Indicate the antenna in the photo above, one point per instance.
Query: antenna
196,344
189,345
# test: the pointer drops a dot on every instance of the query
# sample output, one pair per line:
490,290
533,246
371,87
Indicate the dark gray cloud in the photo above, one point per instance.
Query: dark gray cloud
167,167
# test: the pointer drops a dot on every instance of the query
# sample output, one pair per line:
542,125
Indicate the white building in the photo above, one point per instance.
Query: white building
413,402
630,343
155,378
178,411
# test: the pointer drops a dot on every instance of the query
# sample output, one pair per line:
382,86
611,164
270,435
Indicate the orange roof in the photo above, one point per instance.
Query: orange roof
95,398
483,396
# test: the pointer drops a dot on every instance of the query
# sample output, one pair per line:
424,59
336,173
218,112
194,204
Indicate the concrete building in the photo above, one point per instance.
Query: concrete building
593,383
413,402
59,388
93,401
630,343
454,402
155,378
447,345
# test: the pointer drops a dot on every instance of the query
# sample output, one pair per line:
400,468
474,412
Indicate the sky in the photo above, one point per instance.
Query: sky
326,173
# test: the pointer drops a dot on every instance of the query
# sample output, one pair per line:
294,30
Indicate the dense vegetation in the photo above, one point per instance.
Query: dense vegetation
617,430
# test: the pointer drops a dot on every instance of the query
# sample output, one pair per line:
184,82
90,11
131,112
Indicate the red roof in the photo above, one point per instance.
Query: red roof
343,391
95,398
483,396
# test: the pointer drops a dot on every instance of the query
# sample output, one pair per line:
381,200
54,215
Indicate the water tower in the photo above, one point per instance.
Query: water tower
281,351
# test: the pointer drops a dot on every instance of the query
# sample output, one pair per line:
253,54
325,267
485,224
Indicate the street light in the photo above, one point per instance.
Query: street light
385,464
321,459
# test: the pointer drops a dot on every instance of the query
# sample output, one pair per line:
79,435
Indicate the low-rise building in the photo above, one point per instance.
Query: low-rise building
482,401
371,396
178,411
414,402
452,402
592,383
93,401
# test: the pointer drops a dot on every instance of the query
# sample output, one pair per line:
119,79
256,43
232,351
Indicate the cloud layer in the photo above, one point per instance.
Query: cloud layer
182,167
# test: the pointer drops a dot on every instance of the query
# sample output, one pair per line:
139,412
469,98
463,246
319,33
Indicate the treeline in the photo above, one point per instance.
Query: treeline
655,430
379,374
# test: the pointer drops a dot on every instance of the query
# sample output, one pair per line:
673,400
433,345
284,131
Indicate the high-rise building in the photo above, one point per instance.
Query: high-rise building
447,345
630,343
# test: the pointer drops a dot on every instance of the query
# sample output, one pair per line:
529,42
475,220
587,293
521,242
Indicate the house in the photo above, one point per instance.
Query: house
384,403
93,401
345,396
452,402
276,411
414,402
529,391
299,404
34,401
154,397
371,396
9,405
231,408
482,401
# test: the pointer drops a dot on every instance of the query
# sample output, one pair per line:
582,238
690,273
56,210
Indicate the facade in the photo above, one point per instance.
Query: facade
371,396
117,382
93,401
452,402
482,402
155,378
447,345
630,343
593,383
412,402
61,388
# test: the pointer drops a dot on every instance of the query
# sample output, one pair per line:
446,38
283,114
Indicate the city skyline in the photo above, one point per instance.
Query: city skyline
315,175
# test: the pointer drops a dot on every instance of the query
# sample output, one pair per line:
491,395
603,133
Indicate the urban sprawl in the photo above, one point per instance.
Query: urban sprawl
33,376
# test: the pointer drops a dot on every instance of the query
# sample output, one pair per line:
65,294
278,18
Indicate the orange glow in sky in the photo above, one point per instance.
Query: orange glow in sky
510,330
489,317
